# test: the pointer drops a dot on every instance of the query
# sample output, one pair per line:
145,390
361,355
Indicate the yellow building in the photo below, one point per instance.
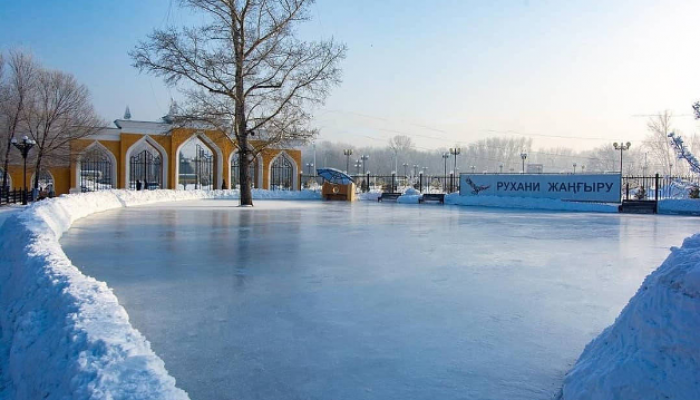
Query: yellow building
147,154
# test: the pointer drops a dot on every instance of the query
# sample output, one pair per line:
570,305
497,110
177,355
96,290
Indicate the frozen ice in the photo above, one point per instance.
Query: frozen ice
369,301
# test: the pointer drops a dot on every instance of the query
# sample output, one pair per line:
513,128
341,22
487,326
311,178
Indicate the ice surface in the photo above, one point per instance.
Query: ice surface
369,301
63,334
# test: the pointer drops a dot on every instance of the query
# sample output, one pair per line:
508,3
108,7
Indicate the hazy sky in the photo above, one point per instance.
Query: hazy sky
441,72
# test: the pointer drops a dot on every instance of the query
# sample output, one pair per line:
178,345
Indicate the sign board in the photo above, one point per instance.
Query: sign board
603,188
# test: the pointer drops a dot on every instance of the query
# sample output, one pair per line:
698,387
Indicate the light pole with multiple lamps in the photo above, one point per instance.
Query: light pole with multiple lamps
523,156
24,146
364,159
455,151
405,169
347,153
574,168
415,170
358,165
622,147
309,166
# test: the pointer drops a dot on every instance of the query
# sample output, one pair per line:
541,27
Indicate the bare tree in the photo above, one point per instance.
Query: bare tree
245,72
14,92
400,144
658,142
57,111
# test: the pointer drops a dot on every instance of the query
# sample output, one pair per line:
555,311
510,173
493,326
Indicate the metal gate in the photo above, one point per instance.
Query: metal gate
236,171
146,168
282,172
95,172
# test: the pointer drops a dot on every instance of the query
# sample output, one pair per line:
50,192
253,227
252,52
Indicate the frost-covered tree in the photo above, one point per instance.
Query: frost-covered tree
57,110
17,83
657,142
245,72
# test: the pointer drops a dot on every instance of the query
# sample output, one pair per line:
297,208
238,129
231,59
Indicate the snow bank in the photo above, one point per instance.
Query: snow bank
409,199
652,351
63,334
529,203
679,206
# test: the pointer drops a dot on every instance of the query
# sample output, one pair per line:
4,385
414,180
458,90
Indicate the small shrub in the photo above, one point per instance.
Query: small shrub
641,193
694,192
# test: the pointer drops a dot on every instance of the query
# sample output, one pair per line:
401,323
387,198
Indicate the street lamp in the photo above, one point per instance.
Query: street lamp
364,159
358,165
500,168
405,169
473,168
455,152
415,169
445,156
24,146
309,166
574,168
523,156
622,147
583,168
347,153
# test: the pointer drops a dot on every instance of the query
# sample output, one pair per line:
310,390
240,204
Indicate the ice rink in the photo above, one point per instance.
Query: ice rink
314,300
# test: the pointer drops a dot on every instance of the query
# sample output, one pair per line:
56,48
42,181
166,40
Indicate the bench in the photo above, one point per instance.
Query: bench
389,196
433,197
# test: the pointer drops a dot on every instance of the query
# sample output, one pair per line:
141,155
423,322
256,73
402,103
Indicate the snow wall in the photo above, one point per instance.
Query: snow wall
63,335
652,350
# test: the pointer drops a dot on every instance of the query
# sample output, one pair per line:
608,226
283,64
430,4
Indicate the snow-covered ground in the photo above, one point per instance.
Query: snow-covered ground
652,351
64,335
369,301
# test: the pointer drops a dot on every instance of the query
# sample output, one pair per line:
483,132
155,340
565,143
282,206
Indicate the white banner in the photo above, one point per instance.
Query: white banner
604,188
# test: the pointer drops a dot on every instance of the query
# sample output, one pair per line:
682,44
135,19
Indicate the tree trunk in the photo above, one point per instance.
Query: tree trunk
37,168
6,163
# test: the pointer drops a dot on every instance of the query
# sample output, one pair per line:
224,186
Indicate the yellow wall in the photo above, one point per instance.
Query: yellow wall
220,145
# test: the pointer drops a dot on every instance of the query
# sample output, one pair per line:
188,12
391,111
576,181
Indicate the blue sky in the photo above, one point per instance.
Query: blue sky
443,72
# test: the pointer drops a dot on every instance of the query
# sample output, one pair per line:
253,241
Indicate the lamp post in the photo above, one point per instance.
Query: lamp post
473,167
347,153
523,156
455,151
445,156
309,166
622,147
364,159
405,169
415,170
500,168
574,168
24,146
583,168
358,165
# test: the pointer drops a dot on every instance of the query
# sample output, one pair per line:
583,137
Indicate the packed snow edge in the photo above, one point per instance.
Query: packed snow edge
64,334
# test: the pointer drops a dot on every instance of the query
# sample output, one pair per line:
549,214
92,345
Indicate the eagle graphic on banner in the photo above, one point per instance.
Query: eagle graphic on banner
476,188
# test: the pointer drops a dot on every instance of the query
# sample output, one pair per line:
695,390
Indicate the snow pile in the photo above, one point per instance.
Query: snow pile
652,351
63,334
679,206
411,191
409,199
369,196
529,203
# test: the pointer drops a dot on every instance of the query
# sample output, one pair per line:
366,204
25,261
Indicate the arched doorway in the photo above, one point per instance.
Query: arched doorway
253,171
195,166
9,181
45,181
145,167
282,173
96,169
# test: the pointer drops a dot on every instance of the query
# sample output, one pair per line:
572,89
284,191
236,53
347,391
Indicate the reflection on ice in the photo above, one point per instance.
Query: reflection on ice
369,301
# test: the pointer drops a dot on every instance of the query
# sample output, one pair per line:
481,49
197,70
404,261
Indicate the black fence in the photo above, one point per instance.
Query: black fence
14,196
660,187
395,183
